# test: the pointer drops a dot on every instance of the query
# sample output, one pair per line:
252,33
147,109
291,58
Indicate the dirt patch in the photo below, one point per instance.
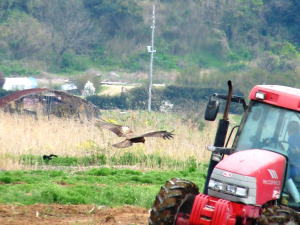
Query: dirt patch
72,214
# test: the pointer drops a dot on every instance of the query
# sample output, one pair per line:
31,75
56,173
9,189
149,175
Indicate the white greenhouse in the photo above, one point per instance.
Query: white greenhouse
20,83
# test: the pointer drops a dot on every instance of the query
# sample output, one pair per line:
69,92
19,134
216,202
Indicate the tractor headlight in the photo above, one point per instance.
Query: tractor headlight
231,188
241,192
216,185
227,188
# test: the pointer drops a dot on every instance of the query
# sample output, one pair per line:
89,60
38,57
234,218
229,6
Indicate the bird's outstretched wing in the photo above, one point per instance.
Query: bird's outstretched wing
119,130
161,134
123,144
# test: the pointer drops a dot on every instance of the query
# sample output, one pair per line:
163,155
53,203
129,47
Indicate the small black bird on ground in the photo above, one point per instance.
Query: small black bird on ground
49,157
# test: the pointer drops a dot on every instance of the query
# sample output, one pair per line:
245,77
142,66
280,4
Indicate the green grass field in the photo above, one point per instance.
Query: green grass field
103,186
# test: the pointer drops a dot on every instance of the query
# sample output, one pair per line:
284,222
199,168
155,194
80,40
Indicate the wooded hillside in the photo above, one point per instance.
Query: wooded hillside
206,42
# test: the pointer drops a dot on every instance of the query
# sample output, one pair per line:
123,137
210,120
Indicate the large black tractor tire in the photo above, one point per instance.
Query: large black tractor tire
169,199
279,215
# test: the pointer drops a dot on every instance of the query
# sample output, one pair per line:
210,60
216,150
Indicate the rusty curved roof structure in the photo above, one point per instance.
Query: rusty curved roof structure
17,95
57,96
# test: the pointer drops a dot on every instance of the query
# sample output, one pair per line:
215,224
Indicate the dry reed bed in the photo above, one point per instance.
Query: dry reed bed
66,137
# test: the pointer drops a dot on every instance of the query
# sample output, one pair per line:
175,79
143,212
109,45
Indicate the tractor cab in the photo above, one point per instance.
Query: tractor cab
271,122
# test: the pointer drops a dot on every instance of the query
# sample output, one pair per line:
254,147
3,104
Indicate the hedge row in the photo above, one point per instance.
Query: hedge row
179,96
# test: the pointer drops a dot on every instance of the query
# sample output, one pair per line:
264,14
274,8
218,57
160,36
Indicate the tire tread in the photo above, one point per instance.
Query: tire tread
168,200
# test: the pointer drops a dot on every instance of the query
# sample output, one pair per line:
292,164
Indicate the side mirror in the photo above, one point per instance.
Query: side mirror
212,109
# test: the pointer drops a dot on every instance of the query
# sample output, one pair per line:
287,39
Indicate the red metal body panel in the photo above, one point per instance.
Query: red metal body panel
266,166
286,97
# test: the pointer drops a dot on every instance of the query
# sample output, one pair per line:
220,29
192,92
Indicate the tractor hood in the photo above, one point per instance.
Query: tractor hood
253,163
260,171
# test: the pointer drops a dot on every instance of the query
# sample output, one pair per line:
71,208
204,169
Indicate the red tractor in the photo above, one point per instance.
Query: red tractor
253,182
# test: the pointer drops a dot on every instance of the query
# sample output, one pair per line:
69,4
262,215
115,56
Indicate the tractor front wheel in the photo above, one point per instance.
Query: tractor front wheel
279,215
176,193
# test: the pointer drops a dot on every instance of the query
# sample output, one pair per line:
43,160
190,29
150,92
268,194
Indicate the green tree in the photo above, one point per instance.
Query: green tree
116,16
289,51
284,16
69,26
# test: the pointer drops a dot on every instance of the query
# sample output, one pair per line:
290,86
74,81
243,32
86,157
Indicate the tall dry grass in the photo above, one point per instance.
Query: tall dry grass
21,135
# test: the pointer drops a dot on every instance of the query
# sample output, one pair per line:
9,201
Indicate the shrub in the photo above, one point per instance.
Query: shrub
88,76
6,179
70,62
108,102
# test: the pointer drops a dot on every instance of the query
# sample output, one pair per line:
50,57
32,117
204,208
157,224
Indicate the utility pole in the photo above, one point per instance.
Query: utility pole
151,50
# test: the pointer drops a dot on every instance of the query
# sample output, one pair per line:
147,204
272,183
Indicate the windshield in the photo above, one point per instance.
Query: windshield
276,129
266,127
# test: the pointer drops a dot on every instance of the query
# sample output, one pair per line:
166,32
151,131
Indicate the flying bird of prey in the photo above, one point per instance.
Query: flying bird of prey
49,157
130,137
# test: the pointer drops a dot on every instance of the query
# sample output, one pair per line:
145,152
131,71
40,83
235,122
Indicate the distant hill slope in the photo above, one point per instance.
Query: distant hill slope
256,39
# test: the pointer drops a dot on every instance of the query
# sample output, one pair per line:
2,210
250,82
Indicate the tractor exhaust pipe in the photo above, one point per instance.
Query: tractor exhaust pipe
224,123
226,110
220,136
